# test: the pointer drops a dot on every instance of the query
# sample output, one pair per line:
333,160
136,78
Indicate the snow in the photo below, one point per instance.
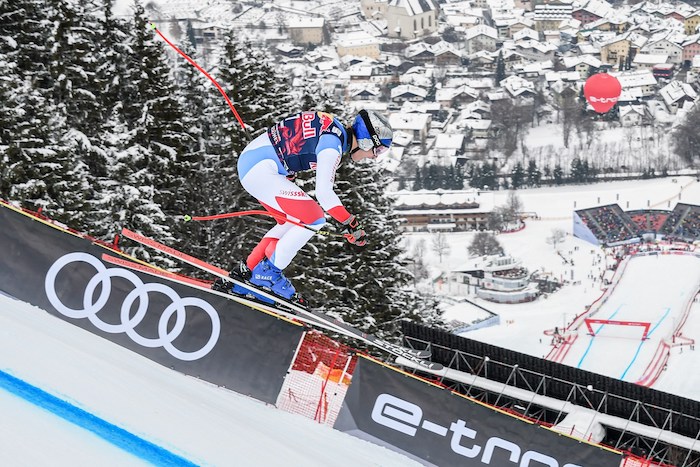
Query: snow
650,288
195,420
211,426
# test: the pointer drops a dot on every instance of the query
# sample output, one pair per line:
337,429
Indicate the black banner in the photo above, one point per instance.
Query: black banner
441,428
189,330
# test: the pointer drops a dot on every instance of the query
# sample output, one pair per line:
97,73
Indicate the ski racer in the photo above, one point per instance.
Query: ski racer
303,141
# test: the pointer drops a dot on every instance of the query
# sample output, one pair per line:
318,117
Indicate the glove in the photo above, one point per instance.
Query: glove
354,233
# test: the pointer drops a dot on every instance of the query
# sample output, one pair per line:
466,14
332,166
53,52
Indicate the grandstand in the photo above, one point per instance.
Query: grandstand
683,223
609,225
648,220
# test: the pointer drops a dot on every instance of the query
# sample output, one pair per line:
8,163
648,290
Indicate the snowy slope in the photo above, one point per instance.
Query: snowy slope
650,290
522,326
190,418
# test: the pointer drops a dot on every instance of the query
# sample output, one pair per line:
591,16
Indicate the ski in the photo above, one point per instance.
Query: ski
415,356
206,287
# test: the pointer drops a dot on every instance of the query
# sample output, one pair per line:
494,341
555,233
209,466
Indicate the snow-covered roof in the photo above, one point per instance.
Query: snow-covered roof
497,95
449,141
624,110
538,68
564,76
597,7
447,94
481,30
526,33
491,263
360,71
408,89
675,91
673,37
441,198
462,20
414,7
436,49
444,47
303,23
541,47
365,88
420,107
401,138
650,59
356,39
590,60
552,11
287,47
329,65
460,7
691,40
586,48
477,123
409,121
517,86
637,78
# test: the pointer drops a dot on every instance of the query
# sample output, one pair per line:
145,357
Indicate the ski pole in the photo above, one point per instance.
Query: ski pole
221,90
323,233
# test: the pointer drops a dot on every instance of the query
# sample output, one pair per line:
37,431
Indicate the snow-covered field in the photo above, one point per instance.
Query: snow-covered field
192,419
651,290
522,326
208,425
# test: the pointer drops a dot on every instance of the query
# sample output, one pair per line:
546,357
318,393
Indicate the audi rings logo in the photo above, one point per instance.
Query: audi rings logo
129,323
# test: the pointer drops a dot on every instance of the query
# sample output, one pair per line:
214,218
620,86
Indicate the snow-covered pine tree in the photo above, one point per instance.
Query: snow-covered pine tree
195,98
148,143
112,133
23,31
20,31
159,124
36,164
12,87
73,50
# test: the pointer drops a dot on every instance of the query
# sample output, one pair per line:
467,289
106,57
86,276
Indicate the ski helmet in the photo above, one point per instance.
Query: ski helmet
372,131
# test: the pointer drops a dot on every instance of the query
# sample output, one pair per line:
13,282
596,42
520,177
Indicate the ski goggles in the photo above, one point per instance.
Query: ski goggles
368,145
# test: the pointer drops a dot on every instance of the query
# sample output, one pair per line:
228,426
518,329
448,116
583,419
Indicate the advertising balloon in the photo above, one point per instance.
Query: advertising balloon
601,91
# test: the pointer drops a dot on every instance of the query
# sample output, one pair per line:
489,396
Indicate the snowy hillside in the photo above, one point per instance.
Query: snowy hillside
199,422
523,325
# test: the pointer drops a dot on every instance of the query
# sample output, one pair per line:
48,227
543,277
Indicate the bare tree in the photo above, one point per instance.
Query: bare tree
497,218
686,141
557,237
630,133
485,243
419,248
509,119
584,129
440,245
514,204
569,110
419,269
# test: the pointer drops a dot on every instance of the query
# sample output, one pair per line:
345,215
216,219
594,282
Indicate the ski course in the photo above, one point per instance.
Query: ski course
653,289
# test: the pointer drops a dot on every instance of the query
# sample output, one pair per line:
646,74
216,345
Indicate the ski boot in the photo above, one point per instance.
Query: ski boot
270,278
242,274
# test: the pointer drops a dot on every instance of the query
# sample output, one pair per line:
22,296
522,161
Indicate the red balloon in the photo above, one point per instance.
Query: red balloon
601,91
